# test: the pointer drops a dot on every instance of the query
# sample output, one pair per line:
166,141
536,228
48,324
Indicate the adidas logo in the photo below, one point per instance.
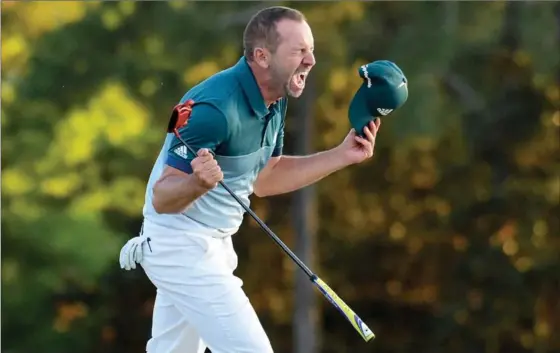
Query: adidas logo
384,111
181,151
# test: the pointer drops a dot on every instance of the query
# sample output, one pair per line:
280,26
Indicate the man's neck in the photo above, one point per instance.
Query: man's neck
263,84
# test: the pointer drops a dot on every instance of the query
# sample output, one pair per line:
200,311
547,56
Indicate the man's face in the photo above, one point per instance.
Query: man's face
293,58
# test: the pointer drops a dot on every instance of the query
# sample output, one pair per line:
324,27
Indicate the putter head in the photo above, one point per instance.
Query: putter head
180,115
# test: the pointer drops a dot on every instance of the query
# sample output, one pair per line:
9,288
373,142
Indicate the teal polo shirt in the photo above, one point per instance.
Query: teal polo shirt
231,119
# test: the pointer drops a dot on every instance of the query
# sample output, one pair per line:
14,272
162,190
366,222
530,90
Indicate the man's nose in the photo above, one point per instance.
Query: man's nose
309,60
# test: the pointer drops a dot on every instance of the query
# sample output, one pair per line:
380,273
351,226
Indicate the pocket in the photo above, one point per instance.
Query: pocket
231,255
186,252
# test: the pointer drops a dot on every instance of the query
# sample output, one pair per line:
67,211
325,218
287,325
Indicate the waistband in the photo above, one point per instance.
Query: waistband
193,228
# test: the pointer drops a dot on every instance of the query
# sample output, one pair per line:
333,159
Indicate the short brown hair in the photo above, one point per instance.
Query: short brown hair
261,29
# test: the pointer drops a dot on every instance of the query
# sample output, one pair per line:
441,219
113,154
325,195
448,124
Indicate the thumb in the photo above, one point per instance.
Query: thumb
202,152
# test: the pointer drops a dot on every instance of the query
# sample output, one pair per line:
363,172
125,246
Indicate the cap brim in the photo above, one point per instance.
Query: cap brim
358,111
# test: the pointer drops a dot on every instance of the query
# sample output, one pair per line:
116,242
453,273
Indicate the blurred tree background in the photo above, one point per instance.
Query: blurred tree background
447,241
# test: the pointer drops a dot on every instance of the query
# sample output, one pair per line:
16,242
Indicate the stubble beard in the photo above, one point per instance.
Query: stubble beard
280,82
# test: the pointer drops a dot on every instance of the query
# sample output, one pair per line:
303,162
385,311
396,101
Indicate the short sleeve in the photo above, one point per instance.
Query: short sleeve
280,137
206,128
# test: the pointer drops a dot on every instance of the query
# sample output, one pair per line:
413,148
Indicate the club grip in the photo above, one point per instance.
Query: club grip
180,115
344,309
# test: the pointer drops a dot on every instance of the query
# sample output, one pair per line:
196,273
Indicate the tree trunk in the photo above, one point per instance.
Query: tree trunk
304,218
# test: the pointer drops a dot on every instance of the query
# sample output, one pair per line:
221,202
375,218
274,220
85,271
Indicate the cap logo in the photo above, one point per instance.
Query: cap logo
403,84
364,70
383,111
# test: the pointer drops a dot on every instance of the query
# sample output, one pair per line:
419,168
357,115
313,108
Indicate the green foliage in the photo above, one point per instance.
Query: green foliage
447,241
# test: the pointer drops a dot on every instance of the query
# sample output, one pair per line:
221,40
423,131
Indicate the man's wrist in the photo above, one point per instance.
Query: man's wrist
193,184
338,154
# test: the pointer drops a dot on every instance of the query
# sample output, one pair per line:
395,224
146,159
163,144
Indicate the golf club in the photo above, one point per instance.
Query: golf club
179,118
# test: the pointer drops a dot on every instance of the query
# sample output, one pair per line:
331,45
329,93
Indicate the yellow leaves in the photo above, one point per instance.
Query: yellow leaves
10,271
204,69
425,144
542,329
277,304
522,58
540,228
348,10
200,72
393,287
177,5
229,55
148,87
527,340
61,186
39,17
92,202
112,115
335,13
377,216
153,45
14,50
397,231
112,18
552,92
8,95
540,232
507,232
556,119
415,245
523,264
127,7
459,243
553,190
510,247
461,316
15,182
24,209
74,142
68,313
397,201
338,80
127,194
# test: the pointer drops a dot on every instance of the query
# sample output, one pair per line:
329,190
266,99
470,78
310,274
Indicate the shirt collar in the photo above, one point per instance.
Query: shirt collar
250,87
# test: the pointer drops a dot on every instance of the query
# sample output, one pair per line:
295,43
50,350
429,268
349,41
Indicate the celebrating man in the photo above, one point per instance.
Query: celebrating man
237,127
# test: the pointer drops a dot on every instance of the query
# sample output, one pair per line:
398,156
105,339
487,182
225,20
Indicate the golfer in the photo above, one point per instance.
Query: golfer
237,127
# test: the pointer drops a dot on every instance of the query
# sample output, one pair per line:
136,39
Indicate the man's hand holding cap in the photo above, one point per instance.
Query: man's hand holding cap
385,89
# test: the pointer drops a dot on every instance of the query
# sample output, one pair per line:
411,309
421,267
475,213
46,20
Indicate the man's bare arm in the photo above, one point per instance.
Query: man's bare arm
175,191
289,173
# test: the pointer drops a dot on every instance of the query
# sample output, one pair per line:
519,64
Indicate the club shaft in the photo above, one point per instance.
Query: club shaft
264,227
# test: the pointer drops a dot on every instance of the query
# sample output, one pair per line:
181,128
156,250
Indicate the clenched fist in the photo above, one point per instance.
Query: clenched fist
206,169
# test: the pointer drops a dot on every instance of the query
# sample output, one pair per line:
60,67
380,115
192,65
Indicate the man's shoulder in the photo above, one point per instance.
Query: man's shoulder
218,90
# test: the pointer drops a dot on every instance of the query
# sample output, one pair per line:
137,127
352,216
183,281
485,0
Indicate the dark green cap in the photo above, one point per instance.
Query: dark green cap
385,88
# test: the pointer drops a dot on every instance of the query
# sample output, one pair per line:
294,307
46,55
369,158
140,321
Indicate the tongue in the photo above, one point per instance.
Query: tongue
298,81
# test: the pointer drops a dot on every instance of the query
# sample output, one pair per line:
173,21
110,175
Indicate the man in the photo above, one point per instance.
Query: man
237,127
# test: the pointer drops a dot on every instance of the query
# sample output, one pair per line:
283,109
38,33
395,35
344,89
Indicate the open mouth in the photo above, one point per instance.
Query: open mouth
299,79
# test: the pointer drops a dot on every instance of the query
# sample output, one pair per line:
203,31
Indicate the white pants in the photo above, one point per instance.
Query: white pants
199,301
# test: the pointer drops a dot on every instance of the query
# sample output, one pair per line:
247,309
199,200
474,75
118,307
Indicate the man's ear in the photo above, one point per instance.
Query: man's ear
262,57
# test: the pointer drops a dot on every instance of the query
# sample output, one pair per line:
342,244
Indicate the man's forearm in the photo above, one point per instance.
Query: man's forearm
294,172
174,193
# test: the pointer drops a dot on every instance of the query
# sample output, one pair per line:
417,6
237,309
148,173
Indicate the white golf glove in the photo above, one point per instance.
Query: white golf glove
132,253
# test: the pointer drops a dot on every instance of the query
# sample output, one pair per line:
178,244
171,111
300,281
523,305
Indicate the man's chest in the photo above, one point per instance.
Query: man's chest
251,134
249,145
